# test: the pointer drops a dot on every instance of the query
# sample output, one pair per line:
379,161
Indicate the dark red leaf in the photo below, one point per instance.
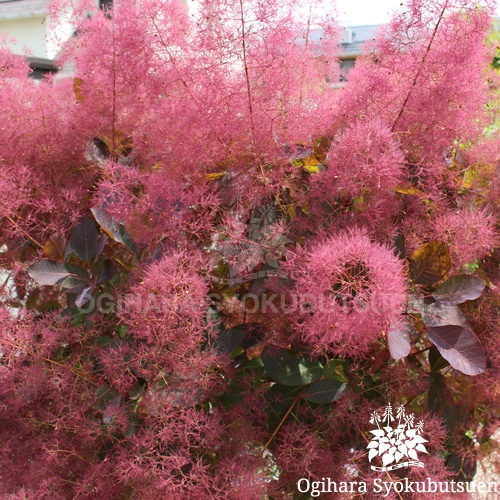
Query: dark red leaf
460,347
48,272
84,239
458,289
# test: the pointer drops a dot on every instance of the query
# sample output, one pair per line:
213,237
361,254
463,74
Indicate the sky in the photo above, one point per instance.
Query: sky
359,12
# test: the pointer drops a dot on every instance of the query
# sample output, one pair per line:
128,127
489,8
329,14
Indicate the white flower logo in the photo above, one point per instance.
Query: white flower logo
396,444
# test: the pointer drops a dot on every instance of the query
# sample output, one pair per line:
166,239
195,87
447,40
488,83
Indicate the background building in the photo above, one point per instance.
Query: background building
30,32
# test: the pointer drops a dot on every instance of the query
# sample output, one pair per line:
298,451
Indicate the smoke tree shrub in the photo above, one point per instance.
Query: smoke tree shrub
217,263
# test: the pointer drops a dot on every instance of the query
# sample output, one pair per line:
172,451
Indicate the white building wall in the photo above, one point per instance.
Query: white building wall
27,36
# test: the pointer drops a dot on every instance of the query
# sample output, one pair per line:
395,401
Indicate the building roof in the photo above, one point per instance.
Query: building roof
18,9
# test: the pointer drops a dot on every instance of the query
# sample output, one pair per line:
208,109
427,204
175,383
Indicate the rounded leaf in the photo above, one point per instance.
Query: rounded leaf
398,340
387,459
228,340
430,263
286,369
372,454
460,347
48,272
459,289
55,247
325,391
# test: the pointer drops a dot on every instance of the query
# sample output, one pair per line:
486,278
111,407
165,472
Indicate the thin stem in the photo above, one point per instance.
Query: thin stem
24,232
417,76
113,117
269,441
69,452
77,372
179,74
421,351
302,77
172,60
247,76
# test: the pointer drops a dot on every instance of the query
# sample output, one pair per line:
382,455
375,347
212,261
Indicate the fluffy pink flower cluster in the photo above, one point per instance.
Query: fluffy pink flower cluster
365,165
350,291
171,304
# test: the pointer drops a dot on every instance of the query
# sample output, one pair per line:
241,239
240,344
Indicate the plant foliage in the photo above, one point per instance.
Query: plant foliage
217,263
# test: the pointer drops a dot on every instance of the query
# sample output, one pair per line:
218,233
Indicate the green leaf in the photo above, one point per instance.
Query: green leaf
325,391
430,263
32,299
84,239
460,347
459,289
286,369
50,305
305,496
334,369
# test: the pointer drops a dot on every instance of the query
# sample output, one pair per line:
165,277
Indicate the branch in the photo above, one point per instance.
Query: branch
269,441
244,47
23,231
113,69
424,57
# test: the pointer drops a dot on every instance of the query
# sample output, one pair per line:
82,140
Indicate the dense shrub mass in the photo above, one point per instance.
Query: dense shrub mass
218,264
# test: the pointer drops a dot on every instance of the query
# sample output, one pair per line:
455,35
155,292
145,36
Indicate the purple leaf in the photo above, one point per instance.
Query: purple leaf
84,239
458,289
48,272
460,347
398,340
437,314
101,242
107,272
